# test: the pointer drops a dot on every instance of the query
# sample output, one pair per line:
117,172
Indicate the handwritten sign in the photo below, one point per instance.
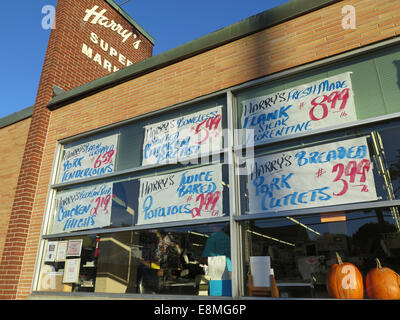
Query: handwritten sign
90,159
187,195
186,136
82,209
329,174
311,106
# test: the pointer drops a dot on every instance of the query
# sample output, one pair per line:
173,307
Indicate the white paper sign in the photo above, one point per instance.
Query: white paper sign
51,251
71,270
62,250
328,174
307,107
260,270
186,195
186,136
82,209
90,159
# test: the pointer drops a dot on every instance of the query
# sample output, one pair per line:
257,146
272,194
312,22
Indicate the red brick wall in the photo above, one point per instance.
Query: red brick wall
12,145
67,67
72,32
308,38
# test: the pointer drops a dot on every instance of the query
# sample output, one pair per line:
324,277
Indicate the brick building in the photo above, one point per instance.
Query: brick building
92,152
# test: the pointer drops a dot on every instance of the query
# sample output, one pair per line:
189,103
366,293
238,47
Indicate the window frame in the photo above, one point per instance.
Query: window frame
230,151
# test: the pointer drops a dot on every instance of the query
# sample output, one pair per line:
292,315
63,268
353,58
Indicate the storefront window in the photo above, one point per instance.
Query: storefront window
164,196
320,186
323,98
342,168
302,249
156,261
140,178
146,207
170,137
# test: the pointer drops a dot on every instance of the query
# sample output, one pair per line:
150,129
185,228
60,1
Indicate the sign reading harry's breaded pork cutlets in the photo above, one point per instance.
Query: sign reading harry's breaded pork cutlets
328,174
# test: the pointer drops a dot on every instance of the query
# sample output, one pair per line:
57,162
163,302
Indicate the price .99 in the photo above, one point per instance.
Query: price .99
350,172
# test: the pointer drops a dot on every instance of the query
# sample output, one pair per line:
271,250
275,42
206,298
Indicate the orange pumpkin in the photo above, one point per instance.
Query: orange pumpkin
382,283
344,281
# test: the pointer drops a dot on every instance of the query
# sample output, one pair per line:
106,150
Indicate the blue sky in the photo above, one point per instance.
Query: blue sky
171,23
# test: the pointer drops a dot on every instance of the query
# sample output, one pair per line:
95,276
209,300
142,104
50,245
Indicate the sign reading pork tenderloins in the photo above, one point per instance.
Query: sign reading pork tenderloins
90,159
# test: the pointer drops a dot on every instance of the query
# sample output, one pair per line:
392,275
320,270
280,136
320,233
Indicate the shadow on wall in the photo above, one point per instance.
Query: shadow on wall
397,65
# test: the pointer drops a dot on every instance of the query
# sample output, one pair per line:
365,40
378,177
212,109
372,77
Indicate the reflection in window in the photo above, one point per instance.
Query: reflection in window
384,155
161,261
303,248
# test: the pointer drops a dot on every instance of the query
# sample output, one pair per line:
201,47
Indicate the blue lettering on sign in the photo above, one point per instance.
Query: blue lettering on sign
99,148
196,183
295,198
270,201
315,157
169,147
274,124
73,223
319,88
71,219
185,121
76,211
151,213
276,184
281,131
254,120
76,163
88,172
72,214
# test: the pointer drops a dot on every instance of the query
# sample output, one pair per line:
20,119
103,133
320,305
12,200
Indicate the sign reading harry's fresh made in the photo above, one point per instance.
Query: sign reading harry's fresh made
90,159
328,174
186,136
187,195
308,107
82,209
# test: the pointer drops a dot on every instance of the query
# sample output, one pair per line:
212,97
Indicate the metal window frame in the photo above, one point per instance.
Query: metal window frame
235,218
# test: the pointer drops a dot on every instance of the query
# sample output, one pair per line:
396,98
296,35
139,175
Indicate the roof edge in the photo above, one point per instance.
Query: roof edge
123,13
253,24
16,117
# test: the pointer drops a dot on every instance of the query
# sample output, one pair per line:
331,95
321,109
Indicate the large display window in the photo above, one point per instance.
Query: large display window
303,249
271,186
116,191
319,200
171,261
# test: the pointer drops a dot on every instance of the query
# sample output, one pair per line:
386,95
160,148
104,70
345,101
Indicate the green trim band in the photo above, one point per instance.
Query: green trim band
16,116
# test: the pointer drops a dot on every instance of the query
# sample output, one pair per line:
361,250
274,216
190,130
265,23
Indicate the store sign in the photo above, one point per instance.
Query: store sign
83,209
188,195
100,19
304,108
328,174
90,159
97,16
186,136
